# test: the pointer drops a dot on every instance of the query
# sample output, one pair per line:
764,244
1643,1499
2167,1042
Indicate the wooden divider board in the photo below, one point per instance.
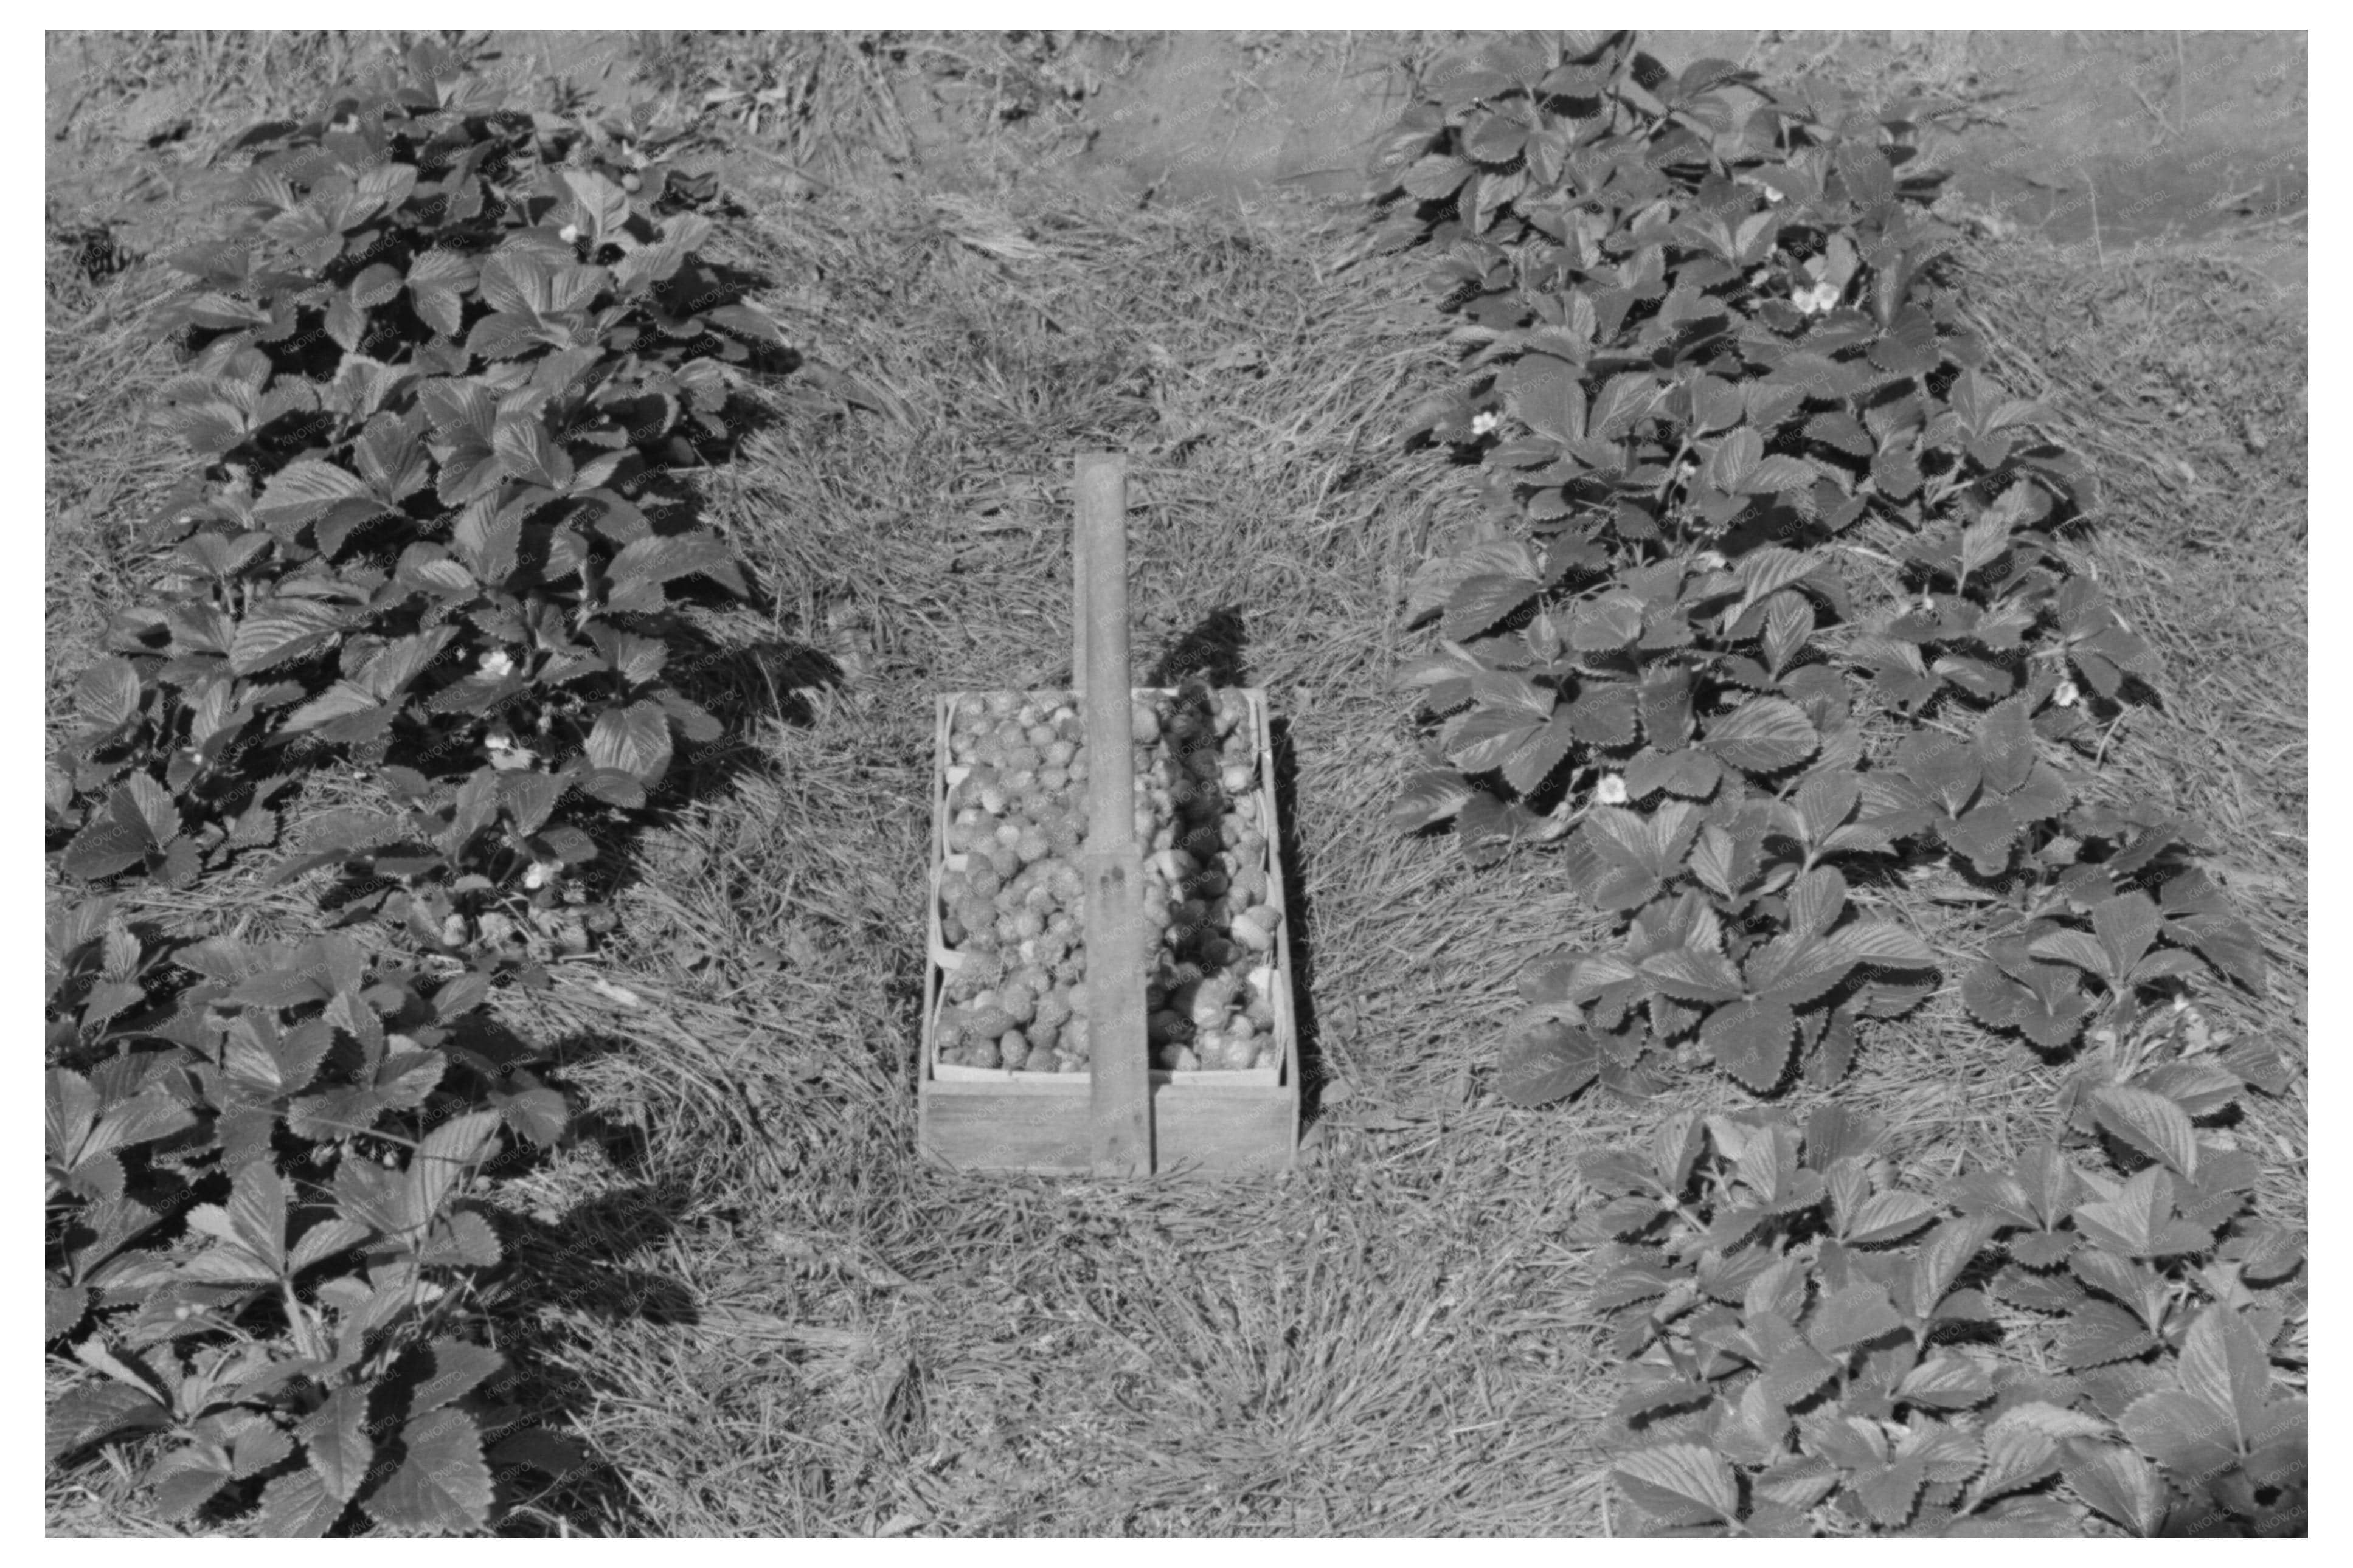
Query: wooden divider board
1112,864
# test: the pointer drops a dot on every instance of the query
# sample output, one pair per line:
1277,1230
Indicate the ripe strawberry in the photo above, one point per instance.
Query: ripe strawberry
982,970
987,1023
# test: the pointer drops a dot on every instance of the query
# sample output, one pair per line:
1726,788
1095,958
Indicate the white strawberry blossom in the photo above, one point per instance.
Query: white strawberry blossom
1816,301
2068,695
1611,790
505,754
497,662
1484,422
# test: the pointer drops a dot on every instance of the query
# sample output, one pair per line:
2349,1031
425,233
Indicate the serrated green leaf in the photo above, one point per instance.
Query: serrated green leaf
1478,602
1544,1060
298,1504
440,1484
336,1444
1752,1040
1763,735
1946,1382
95,1411
1854,1316
2149,1122
2224,1363
1692,975
1889,1493
1679,1483
634,739
2115,1482
2182,1432
441,1161
185,1479
2097,1334
1888,1216
279,631
458,1369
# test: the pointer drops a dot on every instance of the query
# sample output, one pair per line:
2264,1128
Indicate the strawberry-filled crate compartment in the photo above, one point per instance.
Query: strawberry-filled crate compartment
1006,1052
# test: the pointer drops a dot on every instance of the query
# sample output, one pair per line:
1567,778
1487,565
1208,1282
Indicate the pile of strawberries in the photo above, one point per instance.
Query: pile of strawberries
1012,898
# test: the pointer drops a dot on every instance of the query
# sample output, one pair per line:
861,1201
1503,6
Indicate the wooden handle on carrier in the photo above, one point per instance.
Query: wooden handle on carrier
1112,864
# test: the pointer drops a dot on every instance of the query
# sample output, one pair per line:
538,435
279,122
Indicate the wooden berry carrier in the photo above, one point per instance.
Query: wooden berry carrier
1123,1116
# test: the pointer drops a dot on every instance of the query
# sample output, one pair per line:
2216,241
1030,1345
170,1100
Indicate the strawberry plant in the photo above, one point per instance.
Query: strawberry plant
258,1229
1819,1350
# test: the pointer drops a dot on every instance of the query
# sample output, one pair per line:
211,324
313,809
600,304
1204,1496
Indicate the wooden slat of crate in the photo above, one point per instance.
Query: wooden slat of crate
1205,1124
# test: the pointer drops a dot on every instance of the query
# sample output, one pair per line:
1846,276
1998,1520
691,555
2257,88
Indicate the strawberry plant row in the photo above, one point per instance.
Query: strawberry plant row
1773,582
428,372
1774,591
